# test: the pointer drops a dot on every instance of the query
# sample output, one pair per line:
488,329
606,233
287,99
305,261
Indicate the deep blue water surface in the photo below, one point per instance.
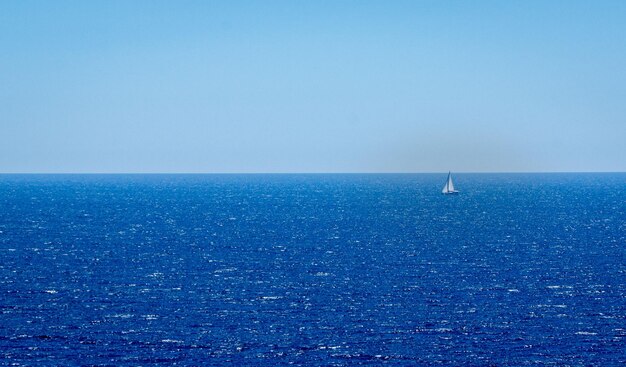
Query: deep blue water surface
333,270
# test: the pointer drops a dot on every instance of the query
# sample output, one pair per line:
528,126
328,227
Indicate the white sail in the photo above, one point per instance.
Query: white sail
449,187
450,184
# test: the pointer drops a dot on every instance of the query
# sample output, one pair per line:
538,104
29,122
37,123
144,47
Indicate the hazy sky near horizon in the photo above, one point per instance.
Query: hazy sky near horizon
312,86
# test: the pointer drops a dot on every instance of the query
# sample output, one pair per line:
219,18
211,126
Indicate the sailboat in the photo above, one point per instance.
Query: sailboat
449,187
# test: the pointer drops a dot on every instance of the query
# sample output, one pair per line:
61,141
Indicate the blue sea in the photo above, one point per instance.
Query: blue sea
321,270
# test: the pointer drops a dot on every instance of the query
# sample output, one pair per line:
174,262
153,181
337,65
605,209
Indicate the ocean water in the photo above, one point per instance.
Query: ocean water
332,270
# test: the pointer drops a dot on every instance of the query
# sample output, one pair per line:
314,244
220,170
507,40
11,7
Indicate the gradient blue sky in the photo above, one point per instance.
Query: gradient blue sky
312,86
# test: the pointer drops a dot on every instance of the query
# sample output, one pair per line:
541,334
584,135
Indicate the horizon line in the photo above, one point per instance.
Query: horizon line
305,173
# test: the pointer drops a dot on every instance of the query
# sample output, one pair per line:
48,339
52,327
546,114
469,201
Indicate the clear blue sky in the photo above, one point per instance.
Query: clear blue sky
312,86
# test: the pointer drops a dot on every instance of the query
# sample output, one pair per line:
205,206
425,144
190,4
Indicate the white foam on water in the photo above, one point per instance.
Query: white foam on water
225,270
270,298
331,347
585,333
